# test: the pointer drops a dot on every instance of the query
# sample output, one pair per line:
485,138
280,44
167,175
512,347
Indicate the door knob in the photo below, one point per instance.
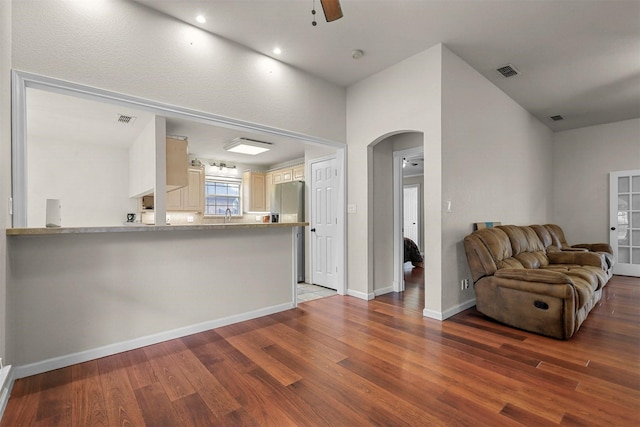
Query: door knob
613,228
313,230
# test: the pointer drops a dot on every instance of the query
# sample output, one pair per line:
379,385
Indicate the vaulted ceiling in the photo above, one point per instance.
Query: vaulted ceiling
578,59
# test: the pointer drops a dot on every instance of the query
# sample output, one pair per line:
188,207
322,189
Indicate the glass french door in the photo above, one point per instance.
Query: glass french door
624,234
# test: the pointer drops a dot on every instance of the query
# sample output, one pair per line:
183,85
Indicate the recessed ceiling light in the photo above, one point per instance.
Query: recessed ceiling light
201,19
277,51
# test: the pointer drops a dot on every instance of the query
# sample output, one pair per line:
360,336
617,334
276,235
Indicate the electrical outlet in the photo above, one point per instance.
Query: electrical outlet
464,284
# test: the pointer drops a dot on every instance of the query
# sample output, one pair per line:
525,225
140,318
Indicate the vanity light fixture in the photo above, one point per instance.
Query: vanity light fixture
201,19
222,165
247,146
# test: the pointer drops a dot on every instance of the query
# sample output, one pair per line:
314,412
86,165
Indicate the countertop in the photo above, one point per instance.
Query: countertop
146,228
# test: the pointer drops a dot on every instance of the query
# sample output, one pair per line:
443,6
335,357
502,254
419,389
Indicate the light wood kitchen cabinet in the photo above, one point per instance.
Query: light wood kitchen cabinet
298,173
282,175
268,189
254,192
191,197
177,163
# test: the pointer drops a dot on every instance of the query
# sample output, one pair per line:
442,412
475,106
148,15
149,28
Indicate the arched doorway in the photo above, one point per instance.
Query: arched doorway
386,226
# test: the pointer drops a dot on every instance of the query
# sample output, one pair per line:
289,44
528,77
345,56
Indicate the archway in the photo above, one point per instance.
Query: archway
385,208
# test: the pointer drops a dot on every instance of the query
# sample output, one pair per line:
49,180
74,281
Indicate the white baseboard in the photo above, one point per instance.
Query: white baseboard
432,314
6,384
108,350
361,295
383,291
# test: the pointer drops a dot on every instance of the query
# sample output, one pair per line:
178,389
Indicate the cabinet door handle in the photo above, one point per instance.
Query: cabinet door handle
613,229
313,230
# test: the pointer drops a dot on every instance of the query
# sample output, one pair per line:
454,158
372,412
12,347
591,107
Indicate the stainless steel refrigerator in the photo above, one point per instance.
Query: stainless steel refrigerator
287,201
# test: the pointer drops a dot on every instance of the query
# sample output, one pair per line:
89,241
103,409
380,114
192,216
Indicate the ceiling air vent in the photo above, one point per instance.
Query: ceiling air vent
122,118
556,118
508,71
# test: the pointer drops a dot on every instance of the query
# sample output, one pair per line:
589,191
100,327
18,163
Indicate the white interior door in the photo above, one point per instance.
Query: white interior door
411,222
323,223
624,235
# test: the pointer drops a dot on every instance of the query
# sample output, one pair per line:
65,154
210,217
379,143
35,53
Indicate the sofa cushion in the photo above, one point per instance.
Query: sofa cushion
594,275
545,237
526,246
498,245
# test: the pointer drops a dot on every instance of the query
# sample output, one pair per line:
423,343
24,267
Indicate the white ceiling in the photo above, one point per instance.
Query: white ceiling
577,58
57,118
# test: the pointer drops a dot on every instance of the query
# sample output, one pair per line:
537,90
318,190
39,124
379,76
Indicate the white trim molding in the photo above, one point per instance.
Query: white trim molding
6,384
361,295
111,349
450,312
383,291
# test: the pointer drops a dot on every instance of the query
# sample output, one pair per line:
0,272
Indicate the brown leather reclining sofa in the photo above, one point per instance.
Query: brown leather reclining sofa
530,278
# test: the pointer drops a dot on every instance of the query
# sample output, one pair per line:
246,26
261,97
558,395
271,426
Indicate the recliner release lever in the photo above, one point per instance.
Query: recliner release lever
541,305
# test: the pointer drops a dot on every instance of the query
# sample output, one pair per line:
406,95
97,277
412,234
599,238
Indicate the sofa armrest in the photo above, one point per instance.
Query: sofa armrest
536,281
595,247
579,258
572,249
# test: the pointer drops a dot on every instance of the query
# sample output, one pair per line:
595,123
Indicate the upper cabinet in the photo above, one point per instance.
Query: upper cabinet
254,196
282,175
288,174
298,173
191,197
177,164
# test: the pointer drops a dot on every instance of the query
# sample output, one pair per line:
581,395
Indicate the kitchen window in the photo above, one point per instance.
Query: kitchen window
221,195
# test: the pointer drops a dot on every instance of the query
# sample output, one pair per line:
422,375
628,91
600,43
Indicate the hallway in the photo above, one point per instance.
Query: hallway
413,296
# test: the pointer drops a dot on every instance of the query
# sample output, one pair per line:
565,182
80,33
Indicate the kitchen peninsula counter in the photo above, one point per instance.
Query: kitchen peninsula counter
148,228
78,294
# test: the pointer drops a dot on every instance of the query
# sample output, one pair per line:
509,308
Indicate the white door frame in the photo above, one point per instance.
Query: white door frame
418,188
341,203
619,268
398,214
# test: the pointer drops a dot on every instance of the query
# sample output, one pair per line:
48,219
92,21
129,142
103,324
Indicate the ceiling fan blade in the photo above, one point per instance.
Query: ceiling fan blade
332,9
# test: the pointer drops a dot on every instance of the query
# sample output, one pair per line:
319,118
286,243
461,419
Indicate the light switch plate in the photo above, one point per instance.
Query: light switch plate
352,208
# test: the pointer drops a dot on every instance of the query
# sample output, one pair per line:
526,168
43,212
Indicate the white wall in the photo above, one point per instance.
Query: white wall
404,97
125,47
5,156
107,291
141,161
91,181
496,164
482,151
582,160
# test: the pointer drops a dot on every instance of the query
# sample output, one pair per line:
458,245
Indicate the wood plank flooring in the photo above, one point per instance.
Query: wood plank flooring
341,361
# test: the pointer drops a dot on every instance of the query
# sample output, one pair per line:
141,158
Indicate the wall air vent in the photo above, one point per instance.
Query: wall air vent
508,71
556,118
127,120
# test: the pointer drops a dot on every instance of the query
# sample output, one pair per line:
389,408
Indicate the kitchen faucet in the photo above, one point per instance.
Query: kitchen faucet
227,215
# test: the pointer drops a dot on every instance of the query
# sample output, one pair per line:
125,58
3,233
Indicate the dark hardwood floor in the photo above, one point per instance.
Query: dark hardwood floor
413,296
341,361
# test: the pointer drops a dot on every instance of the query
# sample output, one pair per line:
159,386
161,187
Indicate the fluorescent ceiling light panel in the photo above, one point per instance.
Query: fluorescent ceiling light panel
247,146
